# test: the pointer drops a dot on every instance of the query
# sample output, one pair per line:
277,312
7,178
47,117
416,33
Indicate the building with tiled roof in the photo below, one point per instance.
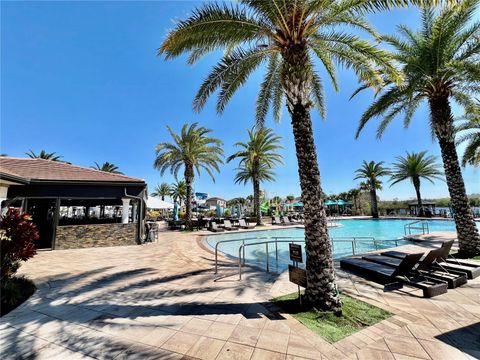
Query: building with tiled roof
74,206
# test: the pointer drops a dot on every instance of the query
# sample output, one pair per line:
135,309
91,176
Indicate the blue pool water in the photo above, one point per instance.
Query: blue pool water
385,233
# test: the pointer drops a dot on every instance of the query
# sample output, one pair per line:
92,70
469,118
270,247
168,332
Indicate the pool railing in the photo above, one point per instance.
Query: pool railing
290,239
352,240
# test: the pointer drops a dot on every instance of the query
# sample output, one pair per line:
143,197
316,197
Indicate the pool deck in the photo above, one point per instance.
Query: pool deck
160,301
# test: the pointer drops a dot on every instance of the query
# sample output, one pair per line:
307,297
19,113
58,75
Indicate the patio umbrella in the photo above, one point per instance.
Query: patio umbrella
175,211
218,211
239,210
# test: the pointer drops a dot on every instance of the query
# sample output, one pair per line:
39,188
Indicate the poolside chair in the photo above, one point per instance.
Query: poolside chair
447,262
286,221
228,225
243,224
276,220
214,227
394,277
425,267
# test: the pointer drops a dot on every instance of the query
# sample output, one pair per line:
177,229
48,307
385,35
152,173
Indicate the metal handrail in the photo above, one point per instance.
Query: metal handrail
409,226
242,247
243,242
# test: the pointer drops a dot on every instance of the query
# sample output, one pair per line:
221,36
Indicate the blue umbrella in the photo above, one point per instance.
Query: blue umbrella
175,211
218,211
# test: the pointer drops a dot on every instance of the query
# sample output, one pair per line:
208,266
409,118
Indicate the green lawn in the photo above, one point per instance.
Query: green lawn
356,316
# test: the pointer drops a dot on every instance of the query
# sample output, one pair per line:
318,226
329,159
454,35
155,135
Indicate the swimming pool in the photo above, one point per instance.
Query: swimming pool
384,231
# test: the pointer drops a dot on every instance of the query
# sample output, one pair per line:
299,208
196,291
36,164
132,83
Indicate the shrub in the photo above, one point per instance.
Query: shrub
17,236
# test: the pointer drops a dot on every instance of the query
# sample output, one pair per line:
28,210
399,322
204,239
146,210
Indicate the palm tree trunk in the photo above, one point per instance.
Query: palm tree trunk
467,232
256,202
188,200
416,184
373,200
321,289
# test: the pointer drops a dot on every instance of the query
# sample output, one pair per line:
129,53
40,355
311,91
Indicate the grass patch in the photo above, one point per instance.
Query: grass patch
356,315
14,292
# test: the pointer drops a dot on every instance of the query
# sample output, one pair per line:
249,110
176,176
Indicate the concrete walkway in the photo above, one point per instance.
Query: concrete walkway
161,301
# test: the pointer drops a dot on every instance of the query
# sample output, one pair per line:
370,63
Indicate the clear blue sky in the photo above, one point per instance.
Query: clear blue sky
82,79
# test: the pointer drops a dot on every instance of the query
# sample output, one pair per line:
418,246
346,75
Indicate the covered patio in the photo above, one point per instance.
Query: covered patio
72,206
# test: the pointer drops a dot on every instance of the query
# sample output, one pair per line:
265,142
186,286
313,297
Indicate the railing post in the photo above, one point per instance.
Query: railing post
353,248
240,263
276,253
268,265
243,243
216,249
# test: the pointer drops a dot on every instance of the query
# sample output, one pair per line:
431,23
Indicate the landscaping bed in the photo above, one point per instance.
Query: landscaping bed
356,315
14,292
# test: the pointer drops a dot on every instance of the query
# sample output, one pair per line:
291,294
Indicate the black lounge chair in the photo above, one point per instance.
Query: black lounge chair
228,225
424,268
243,224
443,262
394,277
215,228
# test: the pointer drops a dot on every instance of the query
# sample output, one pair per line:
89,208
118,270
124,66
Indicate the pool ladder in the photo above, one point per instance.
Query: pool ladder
413,225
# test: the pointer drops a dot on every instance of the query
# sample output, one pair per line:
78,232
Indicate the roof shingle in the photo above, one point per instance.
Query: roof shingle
47,170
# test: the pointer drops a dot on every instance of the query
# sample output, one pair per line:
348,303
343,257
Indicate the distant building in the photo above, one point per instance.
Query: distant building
214,201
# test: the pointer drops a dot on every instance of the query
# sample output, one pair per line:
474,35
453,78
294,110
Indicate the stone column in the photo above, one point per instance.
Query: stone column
125,208
134,212
3,197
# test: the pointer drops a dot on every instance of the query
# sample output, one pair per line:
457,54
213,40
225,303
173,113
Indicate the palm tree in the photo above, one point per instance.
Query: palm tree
162,190
178,191
290,198
257,157
107,167
287,35
415,167
193,150
44,155
440,63
354,194
468,131
372,172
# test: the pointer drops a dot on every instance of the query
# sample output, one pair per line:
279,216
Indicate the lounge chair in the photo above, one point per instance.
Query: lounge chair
286,221
394,277
214,227
425,268
228,225
243,224
443,262
276,220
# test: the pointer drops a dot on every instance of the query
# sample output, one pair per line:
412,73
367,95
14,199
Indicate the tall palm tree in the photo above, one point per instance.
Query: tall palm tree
161,191
258,156
107,167
44,155
440,63
415,167
287,35
178,191
468,130
193,150
371,172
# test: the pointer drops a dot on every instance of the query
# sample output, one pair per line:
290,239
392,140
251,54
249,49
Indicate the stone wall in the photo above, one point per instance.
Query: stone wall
95,235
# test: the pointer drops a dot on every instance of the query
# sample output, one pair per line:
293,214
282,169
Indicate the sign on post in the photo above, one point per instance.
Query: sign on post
297,276
296,252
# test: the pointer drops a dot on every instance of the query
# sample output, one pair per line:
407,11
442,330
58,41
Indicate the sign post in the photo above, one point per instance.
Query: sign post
295,274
